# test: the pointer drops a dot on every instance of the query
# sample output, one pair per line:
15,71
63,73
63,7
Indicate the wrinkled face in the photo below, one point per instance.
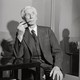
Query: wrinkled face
30,16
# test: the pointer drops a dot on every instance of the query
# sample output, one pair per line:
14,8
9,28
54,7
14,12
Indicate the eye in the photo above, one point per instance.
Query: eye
33,13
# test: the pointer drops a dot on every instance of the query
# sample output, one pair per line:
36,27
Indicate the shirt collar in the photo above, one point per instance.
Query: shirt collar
35,29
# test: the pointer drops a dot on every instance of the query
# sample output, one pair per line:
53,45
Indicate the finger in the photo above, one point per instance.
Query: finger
61,77
54,74
21,28
44,77
22,22
51,72
57,76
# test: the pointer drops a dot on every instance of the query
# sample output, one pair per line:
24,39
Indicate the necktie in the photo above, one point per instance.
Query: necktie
37,45
36,42
34,35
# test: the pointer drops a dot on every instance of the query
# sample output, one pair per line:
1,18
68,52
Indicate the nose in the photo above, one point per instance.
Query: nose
31,16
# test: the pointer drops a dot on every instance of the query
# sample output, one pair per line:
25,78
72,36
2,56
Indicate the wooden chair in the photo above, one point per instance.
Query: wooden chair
20,66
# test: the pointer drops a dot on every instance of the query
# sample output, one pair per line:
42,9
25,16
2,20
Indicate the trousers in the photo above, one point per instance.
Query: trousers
29,74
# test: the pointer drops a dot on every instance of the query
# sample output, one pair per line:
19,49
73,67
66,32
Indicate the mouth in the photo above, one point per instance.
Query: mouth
31,21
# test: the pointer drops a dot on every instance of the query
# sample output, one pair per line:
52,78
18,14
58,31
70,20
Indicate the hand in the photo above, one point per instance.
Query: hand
21,27
21,30
56,72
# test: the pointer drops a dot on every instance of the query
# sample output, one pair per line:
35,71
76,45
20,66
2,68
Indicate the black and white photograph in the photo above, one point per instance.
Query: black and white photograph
39,39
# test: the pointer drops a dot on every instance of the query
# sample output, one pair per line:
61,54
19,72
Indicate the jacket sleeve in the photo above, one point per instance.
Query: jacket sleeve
21,51
55,49
18,47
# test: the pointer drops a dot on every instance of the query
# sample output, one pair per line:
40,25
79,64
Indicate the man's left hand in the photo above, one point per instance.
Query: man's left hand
56,72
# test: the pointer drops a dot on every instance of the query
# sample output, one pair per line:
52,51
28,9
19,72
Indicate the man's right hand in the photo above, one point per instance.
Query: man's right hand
21,30
21,27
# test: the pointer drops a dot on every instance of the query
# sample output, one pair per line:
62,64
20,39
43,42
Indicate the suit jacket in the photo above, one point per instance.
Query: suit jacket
48,43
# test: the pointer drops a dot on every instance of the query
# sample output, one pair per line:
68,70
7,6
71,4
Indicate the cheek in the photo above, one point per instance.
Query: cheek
35,18
27,17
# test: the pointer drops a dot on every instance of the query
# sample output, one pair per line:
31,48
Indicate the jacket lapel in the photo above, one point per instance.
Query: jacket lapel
29,40
40,36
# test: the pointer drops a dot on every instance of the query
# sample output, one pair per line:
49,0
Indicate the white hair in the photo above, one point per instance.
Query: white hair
25,10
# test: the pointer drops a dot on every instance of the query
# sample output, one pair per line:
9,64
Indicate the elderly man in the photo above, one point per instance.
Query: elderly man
38,43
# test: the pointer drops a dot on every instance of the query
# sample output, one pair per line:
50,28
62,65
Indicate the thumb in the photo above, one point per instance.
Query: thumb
51,72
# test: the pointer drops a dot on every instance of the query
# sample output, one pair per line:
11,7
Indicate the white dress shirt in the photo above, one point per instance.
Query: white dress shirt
34,28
